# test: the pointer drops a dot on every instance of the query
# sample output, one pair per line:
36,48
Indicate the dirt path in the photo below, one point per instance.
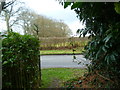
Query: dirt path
55,83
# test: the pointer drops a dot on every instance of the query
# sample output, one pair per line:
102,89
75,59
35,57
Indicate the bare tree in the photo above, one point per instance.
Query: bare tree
25,20
4,5
10,13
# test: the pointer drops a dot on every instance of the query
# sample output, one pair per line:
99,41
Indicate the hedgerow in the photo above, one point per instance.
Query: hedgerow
20,61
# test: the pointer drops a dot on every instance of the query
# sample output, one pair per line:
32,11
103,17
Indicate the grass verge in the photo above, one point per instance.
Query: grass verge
60,74
65,51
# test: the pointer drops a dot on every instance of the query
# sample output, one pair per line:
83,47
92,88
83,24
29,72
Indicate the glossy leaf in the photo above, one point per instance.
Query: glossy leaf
76,5
117,7
66,4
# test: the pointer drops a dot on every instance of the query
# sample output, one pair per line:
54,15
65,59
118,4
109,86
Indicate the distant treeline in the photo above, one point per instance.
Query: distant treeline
35,24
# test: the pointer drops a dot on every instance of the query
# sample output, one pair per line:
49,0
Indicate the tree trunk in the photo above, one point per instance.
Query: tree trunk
7,18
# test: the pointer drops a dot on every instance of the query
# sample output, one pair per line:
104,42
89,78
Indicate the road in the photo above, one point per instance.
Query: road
62,61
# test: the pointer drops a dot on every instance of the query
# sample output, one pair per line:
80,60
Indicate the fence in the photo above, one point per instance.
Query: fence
61,42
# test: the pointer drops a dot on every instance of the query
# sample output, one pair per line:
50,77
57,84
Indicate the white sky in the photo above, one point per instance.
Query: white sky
52,9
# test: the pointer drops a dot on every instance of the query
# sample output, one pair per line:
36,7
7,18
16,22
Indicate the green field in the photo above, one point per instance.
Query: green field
65,51
55,77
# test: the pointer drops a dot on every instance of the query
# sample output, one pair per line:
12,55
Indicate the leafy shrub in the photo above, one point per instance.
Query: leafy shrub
20,61
103,26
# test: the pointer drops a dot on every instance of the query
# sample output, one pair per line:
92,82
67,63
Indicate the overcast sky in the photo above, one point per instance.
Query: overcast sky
52,9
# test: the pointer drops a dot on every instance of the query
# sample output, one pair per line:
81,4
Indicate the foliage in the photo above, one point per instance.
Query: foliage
20,61
103,26
117,7
90,80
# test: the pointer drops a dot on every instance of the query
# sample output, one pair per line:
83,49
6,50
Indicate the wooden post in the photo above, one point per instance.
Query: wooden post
37,32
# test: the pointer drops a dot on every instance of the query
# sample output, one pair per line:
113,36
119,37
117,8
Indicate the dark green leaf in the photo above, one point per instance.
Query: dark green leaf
104,49
66,4
117,7
112,57
74,57
84,33
76,5
108,38
5,62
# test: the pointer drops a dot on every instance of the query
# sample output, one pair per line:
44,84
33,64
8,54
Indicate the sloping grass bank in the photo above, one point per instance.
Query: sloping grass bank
55,77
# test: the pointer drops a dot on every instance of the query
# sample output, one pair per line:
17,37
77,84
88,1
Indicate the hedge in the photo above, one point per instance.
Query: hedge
20,61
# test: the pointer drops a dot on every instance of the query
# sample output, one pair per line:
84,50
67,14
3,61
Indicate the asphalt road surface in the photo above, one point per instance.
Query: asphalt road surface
63,61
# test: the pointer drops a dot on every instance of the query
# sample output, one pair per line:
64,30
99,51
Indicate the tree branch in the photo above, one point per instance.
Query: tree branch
14,22
103,77
8,4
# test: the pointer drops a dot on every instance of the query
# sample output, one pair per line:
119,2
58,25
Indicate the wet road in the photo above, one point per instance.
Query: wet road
63,61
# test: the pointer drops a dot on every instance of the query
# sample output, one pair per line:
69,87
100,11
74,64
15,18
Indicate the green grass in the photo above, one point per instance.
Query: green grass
66,51
61,74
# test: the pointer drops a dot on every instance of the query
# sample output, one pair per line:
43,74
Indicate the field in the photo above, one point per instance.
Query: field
62,43
62,51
